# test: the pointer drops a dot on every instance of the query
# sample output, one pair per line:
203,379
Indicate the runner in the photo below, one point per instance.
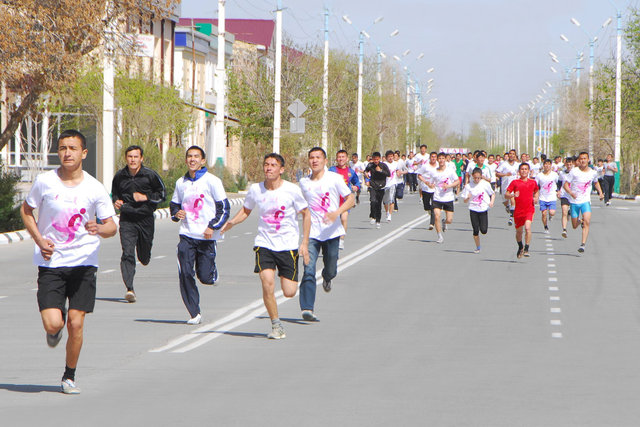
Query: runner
66,240
508,172
557,164
479,158
524,191
136,191
564,197
492,167
390,186
548,184
350,179
411,177
610,170
578,187
480,196
358,167
535,167
401,173
328,197
445,180
276,245
427,186
460,165
378,173
200,204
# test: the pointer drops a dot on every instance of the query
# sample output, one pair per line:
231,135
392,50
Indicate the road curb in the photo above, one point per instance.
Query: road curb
21,235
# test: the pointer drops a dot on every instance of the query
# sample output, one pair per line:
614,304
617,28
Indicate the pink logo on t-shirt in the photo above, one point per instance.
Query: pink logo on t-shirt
582,188
194,205
69,223
323,206
547,187
478,199
275,218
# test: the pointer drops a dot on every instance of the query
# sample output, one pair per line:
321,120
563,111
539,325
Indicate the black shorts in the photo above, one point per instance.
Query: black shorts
78,284
427,203
565,202
443,206
285,261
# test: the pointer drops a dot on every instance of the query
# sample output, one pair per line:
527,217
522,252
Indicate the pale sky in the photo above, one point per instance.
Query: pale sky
489,55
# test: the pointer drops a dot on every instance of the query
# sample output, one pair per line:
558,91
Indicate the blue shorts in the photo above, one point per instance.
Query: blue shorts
545,206
583,208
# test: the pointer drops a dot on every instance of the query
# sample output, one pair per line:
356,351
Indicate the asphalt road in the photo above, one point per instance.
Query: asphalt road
413,333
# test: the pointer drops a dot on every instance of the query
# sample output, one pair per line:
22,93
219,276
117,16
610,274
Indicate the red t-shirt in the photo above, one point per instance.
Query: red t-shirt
347,178
524,199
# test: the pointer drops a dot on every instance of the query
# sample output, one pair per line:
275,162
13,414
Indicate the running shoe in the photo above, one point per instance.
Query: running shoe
373,221
377,225
440,239
525,253
510,222
546,230
608,204
476,251
195,320
430,227
309,316
388,217
582,248
69,387
130,296
326,285
277,333
519,253
53,340
341,244
564,233
582,223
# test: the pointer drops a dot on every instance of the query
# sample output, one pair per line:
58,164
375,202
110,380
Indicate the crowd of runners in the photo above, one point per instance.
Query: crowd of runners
74,210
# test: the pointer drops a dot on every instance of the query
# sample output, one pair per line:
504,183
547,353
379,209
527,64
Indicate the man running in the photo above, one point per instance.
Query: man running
427,186
329,198
358,167
136,191
479,158
548,184
200,204
351,180
480,196
66,245
276,245
492,167
565,204
525,193
610,170
508,172
445,180
578,186
390,186
378,173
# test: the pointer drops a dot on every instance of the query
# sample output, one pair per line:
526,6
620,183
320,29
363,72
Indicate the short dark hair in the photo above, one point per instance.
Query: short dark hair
132,148
389,152
432,153
569,159
423,145
324,153
397,152
278,158
196,147
342,151
523,165
72,133
583,152
442,153
547,161
375,154
355,154
476,170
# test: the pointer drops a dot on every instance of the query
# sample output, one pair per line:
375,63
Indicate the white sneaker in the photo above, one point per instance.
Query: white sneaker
440,239
68,386
373,221
277,333
195,320
430,227
388,217
309,316
377,225
341,244
130,296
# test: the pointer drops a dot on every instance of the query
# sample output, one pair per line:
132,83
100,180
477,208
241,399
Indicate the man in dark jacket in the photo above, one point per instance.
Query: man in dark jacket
136,191
378,173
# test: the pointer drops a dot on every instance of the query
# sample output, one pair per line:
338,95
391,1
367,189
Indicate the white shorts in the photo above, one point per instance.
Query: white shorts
389,194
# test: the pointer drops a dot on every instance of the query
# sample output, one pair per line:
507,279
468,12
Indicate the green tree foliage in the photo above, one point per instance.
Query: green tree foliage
9,213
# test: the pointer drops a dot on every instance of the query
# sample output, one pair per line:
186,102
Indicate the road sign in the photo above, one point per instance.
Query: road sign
296,125
297,108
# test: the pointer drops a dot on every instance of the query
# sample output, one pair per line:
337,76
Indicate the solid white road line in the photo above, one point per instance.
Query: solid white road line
159,257
107,271
3,297
343,263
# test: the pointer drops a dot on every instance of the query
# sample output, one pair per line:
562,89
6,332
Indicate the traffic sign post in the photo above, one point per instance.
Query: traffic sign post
296,123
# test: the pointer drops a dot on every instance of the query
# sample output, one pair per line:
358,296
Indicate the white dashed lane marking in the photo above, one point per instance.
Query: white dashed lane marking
159,257
107,271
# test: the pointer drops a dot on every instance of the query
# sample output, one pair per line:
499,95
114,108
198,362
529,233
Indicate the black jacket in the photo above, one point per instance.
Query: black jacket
378,178
147,182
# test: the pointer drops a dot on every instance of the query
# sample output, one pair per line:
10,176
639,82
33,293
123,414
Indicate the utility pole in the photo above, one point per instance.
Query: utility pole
379,79
218,145
278,80
408,128
618,125
325,84
108,146
360,71
591,59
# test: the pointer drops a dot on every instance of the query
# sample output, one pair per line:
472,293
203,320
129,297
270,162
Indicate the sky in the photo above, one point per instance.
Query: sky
490,56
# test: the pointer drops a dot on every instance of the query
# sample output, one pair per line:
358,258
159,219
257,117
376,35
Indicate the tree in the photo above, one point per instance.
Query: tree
44,44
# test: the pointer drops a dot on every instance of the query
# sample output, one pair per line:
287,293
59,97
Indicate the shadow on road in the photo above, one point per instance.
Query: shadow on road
171,322
460,252
30,388
120,300
289,320
421,241
501,260
243,334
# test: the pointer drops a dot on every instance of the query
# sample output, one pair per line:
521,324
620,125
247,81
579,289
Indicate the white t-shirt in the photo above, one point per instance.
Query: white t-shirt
548,185
452,165
442,178
427,171
580,183
323,195
393,168
492,167
470,167
609,168
535,169
409,165
506,167
479,195
63,213
486,171
278,210
198,199
420,159
358,168
563,175
557,167
402,167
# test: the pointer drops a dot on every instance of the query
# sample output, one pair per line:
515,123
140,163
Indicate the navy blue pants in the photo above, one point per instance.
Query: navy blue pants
195,257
